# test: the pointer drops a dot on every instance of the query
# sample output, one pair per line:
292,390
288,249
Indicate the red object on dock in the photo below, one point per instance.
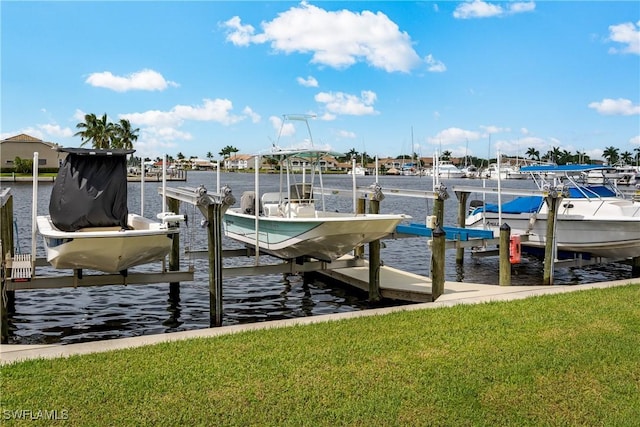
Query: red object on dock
514,249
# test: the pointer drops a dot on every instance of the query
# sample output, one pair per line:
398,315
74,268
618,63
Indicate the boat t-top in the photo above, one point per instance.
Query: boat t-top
288,224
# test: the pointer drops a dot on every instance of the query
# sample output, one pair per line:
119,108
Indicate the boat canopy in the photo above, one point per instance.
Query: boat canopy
526,204
90,190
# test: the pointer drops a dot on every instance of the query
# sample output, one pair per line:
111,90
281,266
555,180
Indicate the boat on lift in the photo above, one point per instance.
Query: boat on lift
288,224
594,219
89,225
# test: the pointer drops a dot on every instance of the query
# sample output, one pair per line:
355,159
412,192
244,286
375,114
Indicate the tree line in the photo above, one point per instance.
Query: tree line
103,134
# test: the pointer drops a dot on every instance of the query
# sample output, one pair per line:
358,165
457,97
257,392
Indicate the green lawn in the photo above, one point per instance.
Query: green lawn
560,360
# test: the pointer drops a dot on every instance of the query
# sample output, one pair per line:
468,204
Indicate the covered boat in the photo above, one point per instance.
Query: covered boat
89,225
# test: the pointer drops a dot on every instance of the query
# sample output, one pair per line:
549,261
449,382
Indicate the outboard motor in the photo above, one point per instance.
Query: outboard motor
248,203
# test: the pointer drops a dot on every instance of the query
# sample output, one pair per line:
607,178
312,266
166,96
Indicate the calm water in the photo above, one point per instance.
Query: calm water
73,315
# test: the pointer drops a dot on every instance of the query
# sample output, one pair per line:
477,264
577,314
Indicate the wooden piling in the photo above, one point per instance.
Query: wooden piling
505,263
361,205
7,298
374,260
173,205
462,216
635,267
214,229
550,243
438,210
437,261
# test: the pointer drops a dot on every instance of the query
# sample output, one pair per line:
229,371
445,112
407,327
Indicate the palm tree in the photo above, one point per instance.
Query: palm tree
106,135
581,158
227,151
611,155
209,155
532,153
626,158
97,131
124,136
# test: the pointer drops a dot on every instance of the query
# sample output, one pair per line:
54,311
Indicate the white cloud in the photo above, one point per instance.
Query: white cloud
434,65
346,134
238,34
141,80
482,9
620,106
628,34
454,135
344,103
518,147
255,117
635,140
337,39
286,129
490,130
56,131
310,81
212,110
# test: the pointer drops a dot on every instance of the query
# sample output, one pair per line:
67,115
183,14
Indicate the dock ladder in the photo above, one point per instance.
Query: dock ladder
21,267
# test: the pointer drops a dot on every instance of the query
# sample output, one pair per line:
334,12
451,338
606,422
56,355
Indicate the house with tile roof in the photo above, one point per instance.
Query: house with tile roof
24,146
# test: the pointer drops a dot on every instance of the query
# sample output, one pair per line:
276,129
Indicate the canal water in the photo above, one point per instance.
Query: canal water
71,315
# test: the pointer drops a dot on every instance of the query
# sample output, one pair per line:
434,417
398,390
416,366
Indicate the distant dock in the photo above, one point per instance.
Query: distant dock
131,178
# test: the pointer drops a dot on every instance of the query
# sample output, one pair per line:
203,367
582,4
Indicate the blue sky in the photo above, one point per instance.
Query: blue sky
380,77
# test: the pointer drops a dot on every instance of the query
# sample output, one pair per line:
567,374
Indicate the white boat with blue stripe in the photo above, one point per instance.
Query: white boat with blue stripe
593,219
288,224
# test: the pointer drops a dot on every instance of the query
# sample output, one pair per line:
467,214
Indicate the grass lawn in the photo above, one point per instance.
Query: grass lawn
559,360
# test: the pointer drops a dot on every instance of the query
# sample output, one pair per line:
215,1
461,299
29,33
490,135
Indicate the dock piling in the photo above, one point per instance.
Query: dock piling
462,215
361,205
437,261
214,229
7,298
374,259
635,267
173,205
505,263
552,200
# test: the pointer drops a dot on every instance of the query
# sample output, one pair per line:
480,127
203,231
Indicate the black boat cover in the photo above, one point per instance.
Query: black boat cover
90,190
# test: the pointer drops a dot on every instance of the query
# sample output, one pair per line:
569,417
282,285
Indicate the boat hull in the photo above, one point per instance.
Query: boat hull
607,228
106,249
323,237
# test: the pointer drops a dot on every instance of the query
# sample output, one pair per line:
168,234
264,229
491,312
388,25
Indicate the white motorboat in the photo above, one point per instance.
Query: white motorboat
107,249
618,174
594,219
358,171
447,170
505,171
288,223
89,226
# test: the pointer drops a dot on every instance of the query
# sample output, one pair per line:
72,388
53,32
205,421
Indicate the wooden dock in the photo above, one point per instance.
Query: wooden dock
394,284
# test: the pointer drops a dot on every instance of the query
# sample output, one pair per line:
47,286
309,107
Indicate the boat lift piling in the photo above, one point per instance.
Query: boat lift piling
374,254
552,198
212,207
505,263
462,212
7,297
